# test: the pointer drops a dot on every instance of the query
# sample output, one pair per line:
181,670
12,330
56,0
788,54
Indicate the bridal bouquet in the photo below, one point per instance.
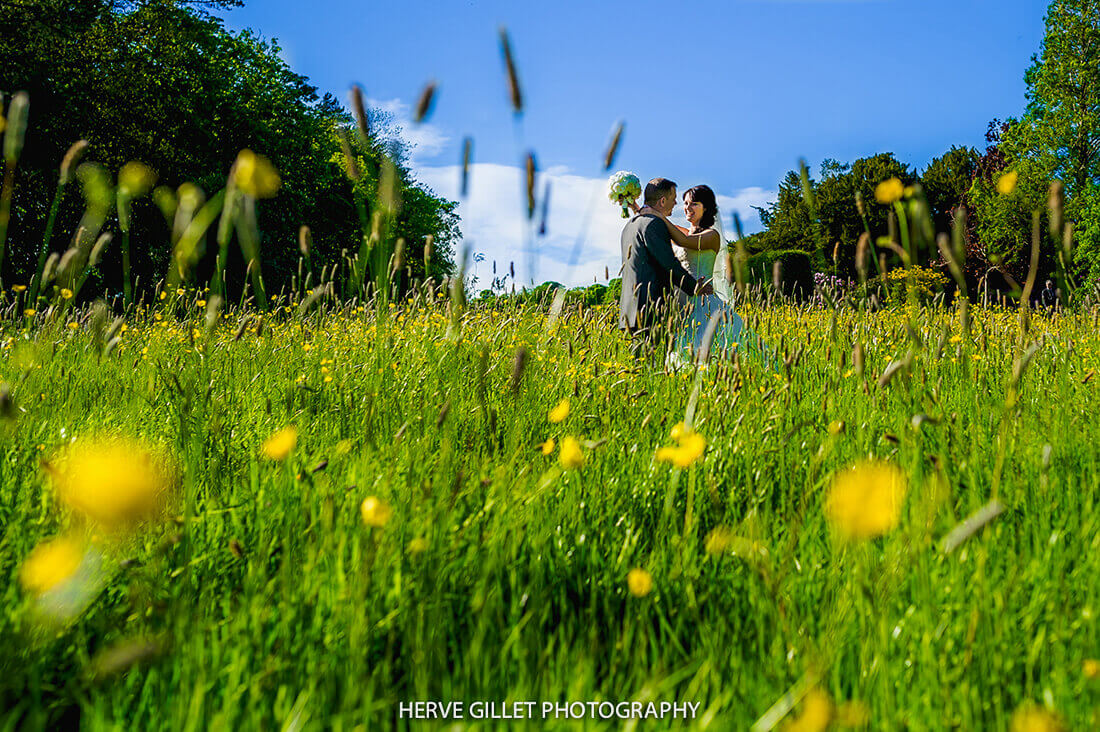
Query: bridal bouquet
625,187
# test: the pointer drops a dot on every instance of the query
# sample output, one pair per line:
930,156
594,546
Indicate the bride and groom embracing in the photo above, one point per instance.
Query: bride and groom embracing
698,269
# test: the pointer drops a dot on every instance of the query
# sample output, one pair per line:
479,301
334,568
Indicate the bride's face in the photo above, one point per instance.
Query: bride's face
692,210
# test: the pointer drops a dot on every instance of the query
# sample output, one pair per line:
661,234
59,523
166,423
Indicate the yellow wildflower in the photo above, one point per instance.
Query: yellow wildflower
418,545
865,500
1030,717
817,712
18,288
836,427
690,449
889,191
66,293
560,412
639,582
279,445
570,456
30,312
719,540
375,512
548,446
1091,668
50,564
112,481
255,175
1006,184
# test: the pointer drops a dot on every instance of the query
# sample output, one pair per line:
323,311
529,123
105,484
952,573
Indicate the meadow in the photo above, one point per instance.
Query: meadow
361,506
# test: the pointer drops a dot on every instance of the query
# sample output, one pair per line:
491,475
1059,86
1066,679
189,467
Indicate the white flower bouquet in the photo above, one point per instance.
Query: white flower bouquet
625,187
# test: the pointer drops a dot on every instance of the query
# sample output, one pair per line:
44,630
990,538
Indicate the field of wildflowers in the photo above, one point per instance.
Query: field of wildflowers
300,519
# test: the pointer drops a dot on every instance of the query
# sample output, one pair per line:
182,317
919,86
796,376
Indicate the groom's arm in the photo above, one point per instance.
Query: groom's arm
659,244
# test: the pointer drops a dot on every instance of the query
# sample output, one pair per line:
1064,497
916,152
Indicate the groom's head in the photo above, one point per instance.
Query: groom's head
660,193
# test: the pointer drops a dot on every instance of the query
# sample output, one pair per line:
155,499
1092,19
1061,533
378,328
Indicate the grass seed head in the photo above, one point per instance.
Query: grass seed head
425,103
16,127
69,162
515,94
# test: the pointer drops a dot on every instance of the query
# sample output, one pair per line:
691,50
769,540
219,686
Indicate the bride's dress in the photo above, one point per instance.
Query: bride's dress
731,333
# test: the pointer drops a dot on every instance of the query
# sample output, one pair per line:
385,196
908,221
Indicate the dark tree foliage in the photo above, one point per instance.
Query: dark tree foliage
163,82
946,181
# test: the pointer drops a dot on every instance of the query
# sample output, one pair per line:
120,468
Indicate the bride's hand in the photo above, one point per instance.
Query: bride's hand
633,205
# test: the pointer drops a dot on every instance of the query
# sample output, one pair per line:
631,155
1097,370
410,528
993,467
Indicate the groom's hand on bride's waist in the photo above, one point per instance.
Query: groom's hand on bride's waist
704,287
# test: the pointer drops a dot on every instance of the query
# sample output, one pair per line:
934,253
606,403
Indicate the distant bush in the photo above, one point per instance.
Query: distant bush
797,272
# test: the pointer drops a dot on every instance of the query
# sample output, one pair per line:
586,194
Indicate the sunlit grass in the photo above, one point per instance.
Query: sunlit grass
367,512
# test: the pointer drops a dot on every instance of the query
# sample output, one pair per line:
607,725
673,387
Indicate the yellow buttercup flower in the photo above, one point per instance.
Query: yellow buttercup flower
570,456
1006,184
375,512
836,427
1090,667
112,480
679,430
691,448
719,540
865,500
30,312
889,190
18,288
817,712
280,444
560,412
548,446
639,582
1030,717
50,564
255,175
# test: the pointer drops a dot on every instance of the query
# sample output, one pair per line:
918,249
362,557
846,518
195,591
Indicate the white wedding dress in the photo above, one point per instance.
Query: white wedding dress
731,333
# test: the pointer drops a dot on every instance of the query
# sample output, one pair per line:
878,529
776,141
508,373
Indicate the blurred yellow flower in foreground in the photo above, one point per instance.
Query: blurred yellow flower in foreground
1091,668
690,448
66,293
50,564
1030,717
865,500
375,512
853,714
817,712
112,480
255,175
548,446
418,545
280,444
570,456
639,582
1006,184
889,190
719,540
560,412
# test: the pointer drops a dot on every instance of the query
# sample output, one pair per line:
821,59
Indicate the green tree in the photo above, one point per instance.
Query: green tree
1060,130
946,181
164,82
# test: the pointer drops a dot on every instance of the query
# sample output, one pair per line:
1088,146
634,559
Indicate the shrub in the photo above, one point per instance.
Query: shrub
797,271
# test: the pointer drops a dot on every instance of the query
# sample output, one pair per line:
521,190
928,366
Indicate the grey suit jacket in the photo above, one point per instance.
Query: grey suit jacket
650,270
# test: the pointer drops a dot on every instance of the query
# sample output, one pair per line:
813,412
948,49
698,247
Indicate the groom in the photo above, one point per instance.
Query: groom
650,269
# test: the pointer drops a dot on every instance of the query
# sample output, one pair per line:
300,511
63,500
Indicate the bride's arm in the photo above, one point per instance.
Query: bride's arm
709,239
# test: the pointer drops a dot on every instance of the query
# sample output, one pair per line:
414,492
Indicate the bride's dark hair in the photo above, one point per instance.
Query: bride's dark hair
705,196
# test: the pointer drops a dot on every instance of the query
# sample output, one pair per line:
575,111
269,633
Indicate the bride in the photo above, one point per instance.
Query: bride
703,251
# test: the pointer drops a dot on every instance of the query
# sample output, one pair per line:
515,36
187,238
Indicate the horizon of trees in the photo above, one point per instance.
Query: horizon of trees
164,83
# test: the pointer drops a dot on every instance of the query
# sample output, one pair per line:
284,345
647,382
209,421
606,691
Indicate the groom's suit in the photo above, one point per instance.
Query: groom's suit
650,269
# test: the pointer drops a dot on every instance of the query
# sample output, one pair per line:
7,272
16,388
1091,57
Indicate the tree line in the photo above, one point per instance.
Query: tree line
1056,138
165,83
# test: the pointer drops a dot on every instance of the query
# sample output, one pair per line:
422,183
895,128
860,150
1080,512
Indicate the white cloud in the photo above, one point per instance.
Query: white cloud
494,222
425,139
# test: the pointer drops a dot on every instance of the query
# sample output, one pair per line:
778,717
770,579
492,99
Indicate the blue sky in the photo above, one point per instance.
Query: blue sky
730,94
